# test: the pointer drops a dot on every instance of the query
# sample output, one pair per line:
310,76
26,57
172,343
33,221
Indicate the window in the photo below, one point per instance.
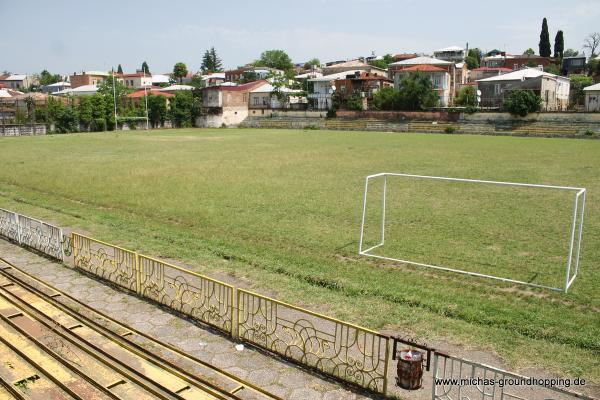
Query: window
256,101
497,89
245,97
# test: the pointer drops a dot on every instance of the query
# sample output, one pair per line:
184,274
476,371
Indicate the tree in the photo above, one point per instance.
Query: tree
416,92
145,68
552,69
277,59
211,62
217,63
119,69
46,78
544,45
180,112
180,71
157,110
592,43
384,62
578,83
85,111
593,67
387,99
570,53
249,76
559,45
476,53
313,62
529,52
467,97
522,102
197,82
472,62
105,88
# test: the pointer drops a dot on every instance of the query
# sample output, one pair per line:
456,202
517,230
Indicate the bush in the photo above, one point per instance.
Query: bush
589,132
354,104
450,129
522,102
467,97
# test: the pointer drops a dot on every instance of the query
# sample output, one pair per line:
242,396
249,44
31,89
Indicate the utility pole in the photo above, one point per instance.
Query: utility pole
115,97
146,99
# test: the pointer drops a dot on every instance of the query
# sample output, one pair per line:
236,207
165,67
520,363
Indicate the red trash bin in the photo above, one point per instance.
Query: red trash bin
410,369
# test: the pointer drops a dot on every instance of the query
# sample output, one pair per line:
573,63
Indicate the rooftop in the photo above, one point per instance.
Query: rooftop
268,88
501,69
422,60
520,75
59,84
450,49
424,68
176,87
15,77
333,77
246,86
142,93
593,87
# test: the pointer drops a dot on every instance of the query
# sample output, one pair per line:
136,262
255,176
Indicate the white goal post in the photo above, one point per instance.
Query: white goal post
575,233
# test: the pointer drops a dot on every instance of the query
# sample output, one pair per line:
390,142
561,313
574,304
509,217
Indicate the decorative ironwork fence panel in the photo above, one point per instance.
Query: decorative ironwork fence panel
342,350
459,379
41,236
106,261
32,232
202,298
9,224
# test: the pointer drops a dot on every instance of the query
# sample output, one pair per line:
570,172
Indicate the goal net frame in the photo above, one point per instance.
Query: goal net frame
575,232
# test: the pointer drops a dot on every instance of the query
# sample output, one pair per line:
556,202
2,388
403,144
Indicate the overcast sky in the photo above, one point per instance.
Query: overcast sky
66,36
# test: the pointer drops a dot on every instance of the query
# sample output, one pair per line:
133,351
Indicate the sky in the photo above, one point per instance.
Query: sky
65,36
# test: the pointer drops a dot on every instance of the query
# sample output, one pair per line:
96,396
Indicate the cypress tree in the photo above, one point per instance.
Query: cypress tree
145,68
119,69
545,48
559,45
217,64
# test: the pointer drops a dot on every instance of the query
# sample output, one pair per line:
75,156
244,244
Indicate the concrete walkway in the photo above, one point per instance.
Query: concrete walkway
276,376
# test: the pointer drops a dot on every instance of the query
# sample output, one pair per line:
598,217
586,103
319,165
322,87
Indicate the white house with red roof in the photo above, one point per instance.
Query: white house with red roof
440,80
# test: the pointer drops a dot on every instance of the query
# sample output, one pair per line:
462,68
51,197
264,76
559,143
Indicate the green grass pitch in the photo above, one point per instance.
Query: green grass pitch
280,210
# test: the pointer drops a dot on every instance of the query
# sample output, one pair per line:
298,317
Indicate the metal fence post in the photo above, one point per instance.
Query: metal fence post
19,228
385,367
138,274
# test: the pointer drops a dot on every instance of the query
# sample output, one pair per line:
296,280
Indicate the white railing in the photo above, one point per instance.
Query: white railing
32,232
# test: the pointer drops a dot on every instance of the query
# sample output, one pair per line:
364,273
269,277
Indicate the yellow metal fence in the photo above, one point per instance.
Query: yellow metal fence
195,295
339,349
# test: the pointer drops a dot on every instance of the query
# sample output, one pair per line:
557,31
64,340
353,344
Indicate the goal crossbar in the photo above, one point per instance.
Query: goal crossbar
575,232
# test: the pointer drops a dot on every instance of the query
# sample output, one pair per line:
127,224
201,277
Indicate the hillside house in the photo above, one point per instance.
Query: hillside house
453,54
362,85
264,98
87,78
226,105
553,89
135,81
592,98
440,80
18,81
352,65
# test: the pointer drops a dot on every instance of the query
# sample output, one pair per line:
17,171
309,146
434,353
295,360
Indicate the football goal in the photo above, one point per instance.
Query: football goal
521,233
